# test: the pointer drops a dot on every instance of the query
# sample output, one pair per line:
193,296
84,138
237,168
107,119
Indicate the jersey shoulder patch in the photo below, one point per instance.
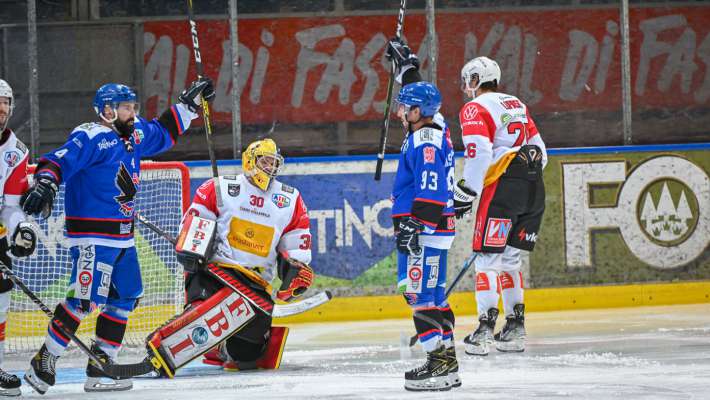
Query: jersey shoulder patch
229,177
286,188
21,147
91,129
427,136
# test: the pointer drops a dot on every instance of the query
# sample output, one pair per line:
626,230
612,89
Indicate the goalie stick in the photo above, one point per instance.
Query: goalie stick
279,310
390,84
115,371
466,265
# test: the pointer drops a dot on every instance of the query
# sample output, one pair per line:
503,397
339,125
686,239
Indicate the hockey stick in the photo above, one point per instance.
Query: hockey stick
115,371
279,310
390,84
466,265
205,104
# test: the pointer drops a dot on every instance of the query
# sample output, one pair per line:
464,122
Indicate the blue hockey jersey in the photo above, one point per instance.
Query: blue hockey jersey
424,184
102,176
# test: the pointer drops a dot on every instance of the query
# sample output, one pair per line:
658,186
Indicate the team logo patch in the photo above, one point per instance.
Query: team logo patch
85,279
470,112
429,155
280,200
126,185
12,158
138,136
497,232
200,335
233,189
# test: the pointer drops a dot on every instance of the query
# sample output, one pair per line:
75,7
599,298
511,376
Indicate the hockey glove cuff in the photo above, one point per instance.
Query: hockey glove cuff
408,236
24,240
193,95
40,198
296,278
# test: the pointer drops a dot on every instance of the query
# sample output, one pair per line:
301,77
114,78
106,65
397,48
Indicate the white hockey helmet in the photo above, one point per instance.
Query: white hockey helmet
485,69
6,91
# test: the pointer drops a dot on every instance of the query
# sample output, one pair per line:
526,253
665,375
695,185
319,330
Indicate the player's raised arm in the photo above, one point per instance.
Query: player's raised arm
160,134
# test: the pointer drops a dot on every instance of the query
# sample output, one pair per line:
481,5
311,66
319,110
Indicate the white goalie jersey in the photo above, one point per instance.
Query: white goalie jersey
13,181
253,226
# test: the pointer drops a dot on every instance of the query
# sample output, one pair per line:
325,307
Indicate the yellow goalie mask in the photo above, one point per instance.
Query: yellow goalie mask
262,162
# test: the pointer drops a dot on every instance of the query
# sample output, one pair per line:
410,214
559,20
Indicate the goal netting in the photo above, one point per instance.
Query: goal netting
163,195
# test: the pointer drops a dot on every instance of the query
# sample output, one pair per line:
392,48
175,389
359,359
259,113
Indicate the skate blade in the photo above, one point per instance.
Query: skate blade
510,347
107,385
35,383
477,349
439,384
454,379
10,392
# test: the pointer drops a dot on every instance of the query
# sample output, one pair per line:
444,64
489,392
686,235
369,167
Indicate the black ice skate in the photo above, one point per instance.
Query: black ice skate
42,371
512,337
432,376
97,381
478,343
454,378
9,384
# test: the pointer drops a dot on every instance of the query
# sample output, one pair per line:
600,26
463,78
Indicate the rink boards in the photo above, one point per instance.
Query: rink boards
623,226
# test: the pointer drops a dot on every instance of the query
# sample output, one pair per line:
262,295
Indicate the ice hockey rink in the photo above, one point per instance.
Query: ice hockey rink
624,353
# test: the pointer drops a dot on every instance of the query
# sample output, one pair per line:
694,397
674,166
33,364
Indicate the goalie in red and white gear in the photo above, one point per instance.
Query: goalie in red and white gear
16,236
505,156
232,249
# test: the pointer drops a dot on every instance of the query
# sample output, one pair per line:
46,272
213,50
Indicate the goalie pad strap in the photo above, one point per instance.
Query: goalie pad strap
254,297
200,328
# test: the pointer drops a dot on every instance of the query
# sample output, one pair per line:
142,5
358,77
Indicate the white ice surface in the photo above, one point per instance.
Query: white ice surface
632,353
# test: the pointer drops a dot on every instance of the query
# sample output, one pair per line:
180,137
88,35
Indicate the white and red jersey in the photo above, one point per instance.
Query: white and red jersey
13,180
252,225
494,126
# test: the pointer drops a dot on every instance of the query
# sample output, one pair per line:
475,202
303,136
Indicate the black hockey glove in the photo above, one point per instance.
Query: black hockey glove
191,96
401,54
40,198
191,263
24,240
463,199
408,236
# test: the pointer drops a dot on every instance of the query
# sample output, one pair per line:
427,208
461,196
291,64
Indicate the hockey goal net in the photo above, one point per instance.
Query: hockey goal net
162,197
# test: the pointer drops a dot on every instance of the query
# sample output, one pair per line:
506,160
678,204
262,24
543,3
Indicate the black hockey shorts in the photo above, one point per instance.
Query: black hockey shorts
249,343
510,210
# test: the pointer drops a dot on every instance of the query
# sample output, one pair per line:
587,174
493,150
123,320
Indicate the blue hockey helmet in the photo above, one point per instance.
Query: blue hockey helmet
112,94
423,95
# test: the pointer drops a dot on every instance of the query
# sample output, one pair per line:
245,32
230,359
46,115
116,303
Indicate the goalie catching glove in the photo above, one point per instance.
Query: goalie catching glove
296,277
463,199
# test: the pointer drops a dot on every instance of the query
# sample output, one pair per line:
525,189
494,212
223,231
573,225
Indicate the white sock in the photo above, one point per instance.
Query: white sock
511,283
486,291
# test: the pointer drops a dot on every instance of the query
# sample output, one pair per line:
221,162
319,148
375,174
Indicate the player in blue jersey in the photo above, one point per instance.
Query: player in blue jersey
100,167
423,218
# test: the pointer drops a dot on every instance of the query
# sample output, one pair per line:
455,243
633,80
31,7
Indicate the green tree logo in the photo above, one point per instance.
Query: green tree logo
667,211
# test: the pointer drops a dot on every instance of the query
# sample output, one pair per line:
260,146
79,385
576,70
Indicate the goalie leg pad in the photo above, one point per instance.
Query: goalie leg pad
251,355
199,328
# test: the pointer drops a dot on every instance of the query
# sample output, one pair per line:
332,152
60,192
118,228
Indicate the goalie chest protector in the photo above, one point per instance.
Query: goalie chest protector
252,224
